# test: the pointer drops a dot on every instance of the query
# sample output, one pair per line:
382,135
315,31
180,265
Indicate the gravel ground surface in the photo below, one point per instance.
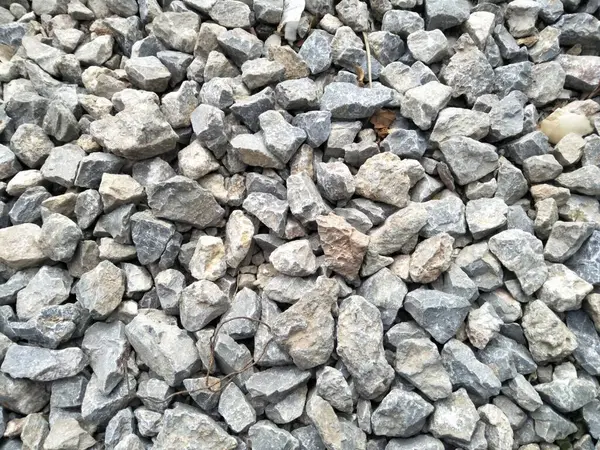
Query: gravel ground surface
299,225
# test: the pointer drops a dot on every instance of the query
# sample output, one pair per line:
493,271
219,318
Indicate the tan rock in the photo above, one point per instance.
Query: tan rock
344,246
431,258
19,246
561,122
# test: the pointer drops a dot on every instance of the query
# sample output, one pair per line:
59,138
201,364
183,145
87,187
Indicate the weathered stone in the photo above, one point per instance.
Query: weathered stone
360,333
400,414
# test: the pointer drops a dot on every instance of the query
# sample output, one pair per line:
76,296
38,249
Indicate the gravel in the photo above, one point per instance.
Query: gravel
299,225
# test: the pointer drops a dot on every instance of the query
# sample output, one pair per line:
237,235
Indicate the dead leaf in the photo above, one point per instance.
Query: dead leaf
360,74
381,121
528,41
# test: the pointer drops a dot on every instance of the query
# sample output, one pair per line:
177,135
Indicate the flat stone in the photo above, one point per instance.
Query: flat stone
348,101
41,364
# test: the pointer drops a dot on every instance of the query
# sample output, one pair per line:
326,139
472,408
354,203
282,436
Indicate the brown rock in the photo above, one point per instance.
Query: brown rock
344,246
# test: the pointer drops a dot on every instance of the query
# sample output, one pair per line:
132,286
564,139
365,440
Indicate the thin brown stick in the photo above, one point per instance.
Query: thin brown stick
368,58
227,378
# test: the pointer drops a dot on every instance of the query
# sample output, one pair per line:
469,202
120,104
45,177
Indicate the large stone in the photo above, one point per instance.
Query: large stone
184,200
400,414
42,364
343,245
20,246
348,101
521,253
548,337
306,329
135,133
360,346
163,346
101,290
440,314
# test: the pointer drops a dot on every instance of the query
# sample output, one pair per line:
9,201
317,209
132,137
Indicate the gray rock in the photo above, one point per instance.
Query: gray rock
422,441
316,51
101,290
21,395
455,418
294,258
440,14
468,159
418,360
150,236
235,409
507,358
498,431
466,371
310,341
333,388
135,133
49,286
486,215
305,202
177,30
551,426
195,205
288,409
400,414
567,395
276,383
267,208
360,333
93,166
265,434
106,346
316,125
42,364
587,353
468,72
163,346
563,290
423,103
281,138
398,229
544,345
347,101
428,46
67,433
521,253
426,306
405,143
59,237
185,425
201,302
460,122
178,106
431,258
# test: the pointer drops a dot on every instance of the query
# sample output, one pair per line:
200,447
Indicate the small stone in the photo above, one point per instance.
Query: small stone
235,409
468,159
333,387
294,258
483,324
201,302
551,426
386,291
101,289
195,205
546,346
258,73
428,46
316,125
398,229
265,434
208,261
425,306
400,414
442,15
466,371
281,138
460,122
423,103
455,418
59,237
135,133
67,433
20,247
498,431
343,245
177,29
418,360
563,290
521,253
186,425
348,101
305,202
585,261
276,383
561,122
49,286
383,178
431,258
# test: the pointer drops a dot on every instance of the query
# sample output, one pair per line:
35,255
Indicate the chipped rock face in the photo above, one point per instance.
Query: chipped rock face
279,225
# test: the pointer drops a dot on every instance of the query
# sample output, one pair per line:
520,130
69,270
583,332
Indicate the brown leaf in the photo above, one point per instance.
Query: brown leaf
360,74
381,121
